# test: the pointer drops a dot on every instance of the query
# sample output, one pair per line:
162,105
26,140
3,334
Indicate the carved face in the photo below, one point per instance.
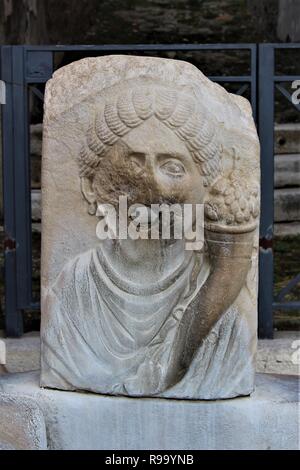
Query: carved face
149,165
156,151
152,144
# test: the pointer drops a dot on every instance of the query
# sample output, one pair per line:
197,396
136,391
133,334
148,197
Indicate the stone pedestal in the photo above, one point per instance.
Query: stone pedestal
266,420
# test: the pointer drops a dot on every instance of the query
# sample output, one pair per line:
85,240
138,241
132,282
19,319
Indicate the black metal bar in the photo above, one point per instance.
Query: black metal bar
35,306
295,305
140,47
238,78
286,78
220,78
254,80
37,93
287,95
285,290
266,133
22,179
39,65
242,89
13,315
284,45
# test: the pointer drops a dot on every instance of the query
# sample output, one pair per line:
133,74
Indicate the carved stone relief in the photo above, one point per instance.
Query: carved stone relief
147,317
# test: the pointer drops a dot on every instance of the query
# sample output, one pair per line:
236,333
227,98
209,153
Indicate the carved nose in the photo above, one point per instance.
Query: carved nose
151,172
149,164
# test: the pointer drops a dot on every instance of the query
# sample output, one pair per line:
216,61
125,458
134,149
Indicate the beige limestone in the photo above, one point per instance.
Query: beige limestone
148,317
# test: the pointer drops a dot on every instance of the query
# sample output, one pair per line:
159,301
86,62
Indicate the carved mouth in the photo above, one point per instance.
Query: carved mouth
147,218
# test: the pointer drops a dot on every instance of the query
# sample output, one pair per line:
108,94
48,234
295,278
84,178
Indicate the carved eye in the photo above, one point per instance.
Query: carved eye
172,168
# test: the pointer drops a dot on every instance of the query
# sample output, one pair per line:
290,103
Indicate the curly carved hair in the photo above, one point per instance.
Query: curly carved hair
177,110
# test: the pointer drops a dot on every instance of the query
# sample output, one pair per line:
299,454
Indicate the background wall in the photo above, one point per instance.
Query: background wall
149,21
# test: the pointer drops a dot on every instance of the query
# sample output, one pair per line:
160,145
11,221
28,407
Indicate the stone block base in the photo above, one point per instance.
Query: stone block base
22,424
266,420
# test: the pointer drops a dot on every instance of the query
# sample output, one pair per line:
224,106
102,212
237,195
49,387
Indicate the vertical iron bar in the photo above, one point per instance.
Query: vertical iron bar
22,179
13,316
253,73
266,133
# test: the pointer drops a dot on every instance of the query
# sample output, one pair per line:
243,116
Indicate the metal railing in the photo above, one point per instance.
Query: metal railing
23,67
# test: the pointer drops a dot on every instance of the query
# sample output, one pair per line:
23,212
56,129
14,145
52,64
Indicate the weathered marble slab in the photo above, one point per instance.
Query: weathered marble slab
148,317
268,420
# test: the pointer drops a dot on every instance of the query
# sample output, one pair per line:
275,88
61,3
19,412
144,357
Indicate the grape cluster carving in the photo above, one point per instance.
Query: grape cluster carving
233,200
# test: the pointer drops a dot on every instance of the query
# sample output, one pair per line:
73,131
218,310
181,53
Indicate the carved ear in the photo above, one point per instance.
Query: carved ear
89,193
